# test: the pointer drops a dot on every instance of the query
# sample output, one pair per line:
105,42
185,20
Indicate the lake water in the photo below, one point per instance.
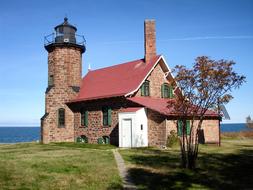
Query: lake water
19,134
28,134
234,127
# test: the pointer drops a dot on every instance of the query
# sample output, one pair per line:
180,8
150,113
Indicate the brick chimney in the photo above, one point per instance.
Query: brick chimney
149,39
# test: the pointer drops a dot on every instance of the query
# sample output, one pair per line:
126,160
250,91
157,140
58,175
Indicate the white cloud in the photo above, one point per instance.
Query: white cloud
194,38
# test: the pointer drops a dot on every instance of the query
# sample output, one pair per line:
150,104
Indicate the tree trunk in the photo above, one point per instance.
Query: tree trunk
189,147
183,154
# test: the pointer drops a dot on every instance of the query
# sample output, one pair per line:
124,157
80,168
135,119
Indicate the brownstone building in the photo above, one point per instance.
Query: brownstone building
125,104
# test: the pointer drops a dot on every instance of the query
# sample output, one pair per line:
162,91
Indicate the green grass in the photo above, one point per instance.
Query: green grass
227,167
58,166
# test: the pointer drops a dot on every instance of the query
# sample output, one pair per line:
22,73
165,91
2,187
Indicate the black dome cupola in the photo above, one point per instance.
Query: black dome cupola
65,35
65,32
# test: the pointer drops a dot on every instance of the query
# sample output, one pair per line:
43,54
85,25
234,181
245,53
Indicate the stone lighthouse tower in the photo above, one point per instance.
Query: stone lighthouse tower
65,50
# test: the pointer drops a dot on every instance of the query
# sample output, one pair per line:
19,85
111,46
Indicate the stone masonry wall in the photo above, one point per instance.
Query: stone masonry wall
64,63
95,127
210,130
156,129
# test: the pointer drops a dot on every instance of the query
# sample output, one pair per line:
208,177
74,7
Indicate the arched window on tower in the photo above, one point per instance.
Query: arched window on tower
61,117
51,80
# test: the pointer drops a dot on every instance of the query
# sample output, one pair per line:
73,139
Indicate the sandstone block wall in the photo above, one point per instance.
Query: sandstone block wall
95,127
210,130
64,68
156,129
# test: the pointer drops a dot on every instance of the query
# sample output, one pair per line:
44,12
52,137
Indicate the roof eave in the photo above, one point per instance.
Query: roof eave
94,98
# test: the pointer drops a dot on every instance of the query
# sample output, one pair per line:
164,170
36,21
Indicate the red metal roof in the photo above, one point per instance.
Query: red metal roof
163,106
160,105
117,80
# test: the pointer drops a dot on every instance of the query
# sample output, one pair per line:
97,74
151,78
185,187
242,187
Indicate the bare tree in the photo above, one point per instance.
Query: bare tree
205,86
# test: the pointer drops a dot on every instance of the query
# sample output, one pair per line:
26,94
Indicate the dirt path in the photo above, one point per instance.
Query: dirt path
127,182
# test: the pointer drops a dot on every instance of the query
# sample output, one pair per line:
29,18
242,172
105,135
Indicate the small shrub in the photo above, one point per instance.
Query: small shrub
172,139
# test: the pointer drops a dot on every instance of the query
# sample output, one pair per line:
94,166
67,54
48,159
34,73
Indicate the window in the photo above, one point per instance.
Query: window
180,127
166,91
51,80
106,139
145,88
100,140
107,116
82,139
61,117
84,118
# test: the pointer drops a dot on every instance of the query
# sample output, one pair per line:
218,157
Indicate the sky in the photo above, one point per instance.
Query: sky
113,29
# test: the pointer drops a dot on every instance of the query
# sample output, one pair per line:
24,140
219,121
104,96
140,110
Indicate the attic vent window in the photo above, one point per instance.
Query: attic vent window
166,91
145,88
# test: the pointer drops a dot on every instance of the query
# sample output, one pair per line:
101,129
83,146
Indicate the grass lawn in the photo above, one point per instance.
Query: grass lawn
58,166
227,167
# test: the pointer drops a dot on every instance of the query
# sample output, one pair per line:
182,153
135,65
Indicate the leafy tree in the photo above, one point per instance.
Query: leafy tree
248,119
202,88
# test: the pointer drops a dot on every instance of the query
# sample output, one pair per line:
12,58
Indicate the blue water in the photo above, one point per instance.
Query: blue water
28,134
234,127
19,134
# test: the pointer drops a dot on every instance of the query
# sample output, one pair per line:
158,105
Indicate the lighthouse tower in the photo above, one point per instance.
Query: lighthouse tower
65,50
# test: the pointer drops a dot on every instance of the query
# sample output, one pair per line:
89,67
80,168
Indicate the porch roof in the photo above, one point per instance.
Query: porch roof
130,109
163,106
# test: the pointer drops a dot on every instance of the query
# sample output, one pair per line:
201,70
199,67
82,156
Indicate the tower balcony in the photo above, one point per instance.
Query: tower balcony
66,39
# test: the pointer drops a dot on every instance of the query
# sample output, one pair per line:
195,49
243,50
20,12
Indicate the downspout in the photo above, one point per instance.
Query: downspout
220,118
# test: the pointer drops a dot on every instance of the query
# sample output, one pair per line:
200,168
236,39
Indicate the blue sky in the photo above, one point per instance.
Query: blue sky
221,29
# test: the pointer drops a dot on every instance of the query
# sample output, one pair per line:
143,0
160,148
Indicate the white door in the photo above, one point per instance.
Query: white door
126,133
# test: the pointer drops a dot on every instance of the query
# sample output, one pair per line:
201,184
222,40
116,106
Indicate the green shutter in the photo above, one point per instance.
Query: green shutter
188,127
170,92
142,89
82,118
162,91
78,139
106,139
109,116
100,140
180,127
85,139
82,139
86,118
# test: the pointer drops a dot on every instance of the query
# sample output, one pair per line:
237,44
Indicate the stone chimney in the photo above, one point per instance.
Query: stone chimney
149,39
